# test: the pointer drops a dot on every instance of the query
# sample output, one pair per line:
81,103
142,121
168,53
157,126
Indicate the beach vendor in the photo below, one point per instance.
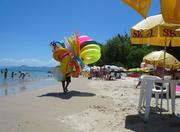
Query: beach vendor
66,82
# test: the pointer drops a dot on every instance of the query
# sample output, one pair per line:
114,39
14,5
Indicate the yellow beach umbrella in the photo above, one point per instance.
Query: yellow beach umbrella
157,58
155,31
170,9
141,6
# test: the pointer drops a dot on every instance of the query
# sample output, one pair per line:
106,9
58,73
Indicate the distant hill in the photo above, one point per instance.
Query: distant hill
29,68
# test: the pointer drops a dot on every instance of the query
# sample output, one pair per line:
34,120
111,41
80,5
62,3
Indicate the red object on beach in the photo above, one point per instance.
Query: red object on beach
133,75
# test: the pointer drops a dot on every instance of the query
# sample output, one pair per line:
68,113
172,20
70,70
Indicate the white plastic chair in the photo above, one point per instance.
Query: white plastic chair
143,88
161,89
146,87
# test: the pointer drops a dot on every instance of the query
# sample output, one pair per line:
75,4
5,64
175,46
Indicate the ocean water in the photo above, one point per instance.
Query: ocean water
33,80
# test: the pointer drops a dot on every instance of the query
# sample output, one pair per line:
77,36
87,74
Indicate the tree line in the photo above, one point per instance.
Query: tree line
119,51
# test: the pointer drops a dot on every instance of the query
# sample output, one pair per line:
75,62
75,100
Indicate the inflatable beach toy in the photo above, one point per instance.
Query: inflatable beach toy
84,38
73,54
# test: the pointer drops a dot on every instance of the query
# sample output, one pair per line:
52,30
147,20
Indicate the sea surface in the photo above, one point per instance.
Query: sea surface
33,80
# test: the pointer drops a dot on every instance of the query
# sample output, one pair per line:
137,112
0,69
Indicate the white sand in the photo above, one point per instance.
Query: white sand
90,106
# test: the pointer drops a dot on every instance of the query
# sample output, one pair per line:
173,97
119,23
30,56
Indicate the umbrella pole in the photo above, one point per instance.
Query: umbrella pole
164,62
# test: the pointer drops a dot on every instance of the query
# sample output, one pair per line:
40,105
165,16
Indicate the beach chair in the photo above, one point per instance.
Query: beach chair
146,90
161,88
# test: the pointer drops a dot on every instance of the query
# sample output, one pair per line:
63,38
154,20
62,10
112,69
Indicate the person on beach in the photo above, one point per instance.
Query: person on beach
104,72
5,73
90,74
12,74
108,73
22,75
49,74
66,82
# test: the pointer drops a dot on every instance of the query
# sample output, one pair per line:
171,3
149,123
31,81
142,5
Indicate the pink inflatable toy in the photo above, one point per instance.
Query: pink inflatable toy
84,38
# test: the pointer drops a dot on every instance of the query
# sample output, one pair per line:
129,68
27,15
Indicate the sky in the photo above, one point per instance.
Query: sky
28,26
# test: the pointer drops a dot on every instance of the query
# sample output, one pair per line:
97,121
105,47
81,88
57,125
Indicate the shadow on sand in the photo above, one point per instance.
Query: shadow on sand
156,123
68,95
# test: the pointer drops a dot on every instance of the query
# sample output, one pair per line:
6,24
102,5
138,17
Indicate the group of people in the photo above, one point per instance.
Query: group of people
13,74
101,73
104,73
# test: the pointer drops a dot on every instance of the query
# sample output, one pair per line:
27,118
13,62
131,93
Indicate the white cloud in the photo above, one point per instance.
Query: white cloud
28,62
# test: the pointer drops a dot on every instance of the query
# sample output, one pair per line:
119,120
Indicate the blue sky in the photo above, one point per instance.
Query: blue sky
28,26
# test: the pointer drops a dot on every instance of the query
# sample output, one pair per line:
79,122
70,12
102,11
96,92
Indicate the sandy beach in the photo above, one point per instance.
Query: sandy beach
90,106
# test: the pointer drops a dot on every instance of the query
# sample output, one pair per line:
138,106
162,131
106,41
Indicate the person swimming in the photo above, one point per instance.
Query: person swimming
22,75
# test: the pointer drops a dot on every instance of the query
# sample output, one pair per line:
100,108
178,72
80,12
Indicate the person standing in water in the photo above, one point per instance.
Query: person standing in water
5,73
12,74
